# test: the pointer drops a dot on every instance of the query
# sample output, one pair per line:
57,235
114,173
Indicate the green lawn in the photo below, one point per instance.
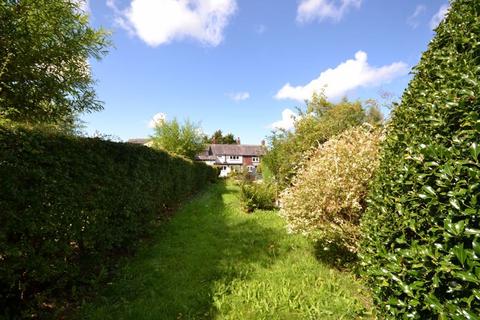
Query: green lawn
212,261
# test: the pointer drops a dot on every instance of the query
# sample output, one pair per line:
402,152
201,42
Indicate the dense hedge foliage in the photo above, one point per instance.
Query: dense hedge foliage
327,196
422,229
68,202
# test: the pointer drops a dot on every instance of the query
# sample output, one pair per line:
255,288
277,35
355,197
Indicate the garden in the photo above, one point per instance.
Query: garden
358,216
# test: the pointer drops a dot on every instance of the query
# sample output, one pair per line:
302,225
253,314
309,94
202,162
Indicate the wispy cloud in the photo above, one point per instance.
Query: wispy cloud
288,121
310,10
439,16
238,96
347,76
157,119
412,20
161,22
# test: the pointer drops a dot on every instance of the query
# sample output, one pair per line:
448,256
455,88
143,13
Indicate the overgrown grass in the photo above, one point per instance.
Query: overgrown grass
212,261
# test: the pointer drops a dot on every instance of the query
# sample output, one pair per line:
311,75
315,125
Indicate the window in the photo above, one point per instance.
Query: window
251,169
233,157
255,159
224,168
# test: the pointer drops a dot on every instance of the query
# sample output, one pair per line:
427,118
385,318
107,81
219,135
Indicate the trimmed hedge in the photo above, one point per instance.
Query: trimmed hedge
68,202
421,243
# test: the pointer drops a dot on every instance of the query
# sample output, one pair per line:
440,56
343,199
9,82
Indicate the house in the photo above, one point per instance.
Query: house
143,142
227,157
233,157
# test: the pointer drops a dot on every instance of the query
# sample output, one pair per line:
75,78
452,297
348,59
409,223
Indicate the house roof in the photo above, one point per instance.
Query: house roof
139,141
237,150
204,156
213,151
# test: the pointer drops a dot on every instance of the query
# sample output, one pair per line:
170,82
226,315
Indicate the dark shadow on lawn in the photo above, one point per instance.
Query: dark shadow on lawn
335,255
174,277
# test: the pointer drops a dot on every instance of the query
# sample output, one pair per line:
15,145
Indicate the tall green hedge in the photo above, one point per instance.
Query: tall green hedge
421,243
66,203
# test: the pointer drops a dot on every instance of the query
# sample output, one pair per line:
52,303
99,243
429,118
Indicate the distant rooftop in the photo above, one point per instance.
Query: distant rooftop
237,149
213,150
138,141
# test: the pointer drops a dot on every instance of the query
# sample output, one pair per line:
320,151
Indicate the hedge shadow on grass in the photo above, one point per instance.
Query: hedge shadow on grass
176,276
335,255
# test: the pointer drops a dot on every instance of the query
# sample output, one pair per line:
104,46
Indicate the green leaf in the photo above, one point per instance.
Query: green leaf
455,204
466,276
476,246
460,253
475,150
429,190
470,232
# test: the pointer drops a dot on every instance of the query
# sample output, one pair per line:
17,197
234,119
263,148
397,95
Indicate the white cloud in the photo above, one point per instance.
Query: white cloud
238,96
438,17
157,119
309,10
288,120
412,20
347,76
161,22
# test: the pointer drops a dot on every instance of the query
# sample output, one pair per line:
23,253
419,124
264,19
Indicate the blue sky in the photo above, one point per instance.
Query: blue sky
238,65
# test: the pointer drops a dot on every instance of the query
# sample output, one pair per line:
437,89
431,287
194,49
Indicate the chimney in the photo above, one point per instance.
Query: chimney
214,140
238,140
263,143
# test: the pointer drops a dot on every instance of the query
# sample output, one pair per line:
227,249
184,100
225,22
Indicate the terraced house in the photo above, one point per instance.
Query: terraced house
233,157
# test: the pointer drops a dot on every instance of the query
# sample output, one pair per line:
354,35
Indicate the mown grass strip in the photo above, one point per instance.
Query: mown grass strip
212,261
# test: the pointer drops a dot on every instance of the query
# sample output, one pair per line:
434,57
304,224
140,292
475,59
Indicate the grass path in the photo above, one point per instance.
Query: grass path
212,261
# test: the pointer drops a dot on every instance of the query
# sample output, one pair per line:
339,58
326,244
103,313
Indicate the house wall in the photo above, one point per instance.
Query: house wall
227,160
248,161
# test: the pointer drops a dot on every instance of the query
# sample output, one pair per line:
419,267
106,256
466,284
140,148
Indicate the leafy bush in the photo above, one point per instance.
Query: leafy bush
68,202
258,195
327,197
422,228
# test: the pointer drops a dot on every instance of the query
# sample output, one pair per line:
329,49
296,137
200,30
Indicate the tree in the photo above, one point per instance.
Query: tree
421,231
218,138
319,122
184,139
45,76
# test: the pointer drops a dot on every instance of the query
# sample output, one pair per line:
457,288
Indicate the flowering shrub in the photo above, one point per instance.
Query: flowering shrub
328,194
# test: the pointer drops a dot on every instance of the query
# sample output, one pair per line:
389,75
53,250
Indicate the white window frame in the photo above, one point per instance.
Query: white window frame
255,159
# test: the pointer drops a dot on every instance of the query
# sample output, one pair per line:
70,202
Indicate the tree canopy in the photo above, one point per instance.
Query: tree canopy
218,138
45,75
320,121
185,139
